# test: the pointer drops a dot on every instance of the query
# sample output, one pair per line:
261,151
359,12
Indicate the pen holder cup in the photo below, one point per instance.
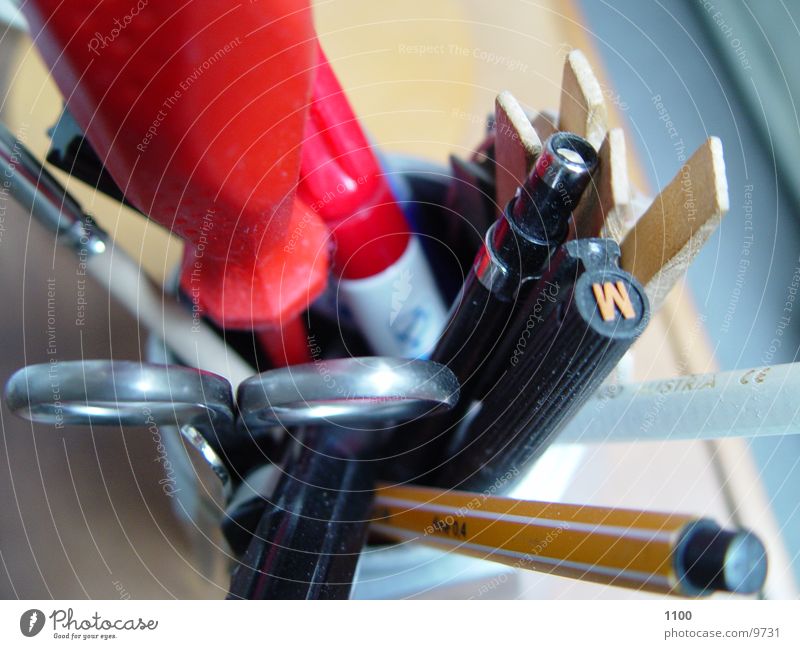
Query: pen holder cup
450,229
196,496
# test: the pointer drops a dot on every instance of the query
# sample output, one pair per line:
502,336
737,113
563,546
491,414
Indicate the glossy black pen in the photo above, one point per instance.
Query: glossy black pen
573,329
516,250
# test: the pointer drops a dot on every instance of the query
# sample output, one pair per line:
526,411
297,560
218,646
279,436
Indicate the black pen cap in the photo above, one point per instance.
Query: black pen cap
709,558
536,220
554,187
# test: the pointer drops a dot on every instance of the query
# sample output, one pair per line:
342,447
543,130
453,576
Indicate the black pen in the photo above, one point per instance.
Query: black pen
516,250
572,330
313,527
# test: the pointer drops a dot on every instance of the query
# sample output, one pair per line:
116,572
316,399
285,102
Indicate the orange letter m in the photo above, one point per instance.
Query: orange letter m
608,296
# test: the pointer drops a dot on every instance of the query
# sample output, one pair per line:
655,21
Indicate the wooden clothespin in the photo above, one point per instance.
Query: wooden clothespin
605,209
668,236
545,123
517,146
582,109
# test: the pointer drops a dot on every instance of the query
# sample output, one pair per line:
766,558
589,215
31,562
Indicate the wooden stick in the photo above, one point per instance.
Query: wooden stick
605,209
545,123
668,236
516,147
583,109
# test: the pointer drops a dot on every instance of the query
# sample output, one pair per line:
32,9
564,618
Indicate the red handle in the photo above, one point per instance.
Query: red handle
342,181
197,110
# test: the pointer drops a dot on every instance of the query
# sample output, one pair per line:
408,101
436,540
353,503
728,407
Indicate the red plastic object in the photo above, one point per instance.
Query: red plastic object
287,345
342,181
197,109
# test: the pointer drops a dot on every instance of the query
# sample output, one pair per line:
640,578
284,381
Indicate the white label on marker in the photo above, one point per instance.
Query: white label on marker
399,311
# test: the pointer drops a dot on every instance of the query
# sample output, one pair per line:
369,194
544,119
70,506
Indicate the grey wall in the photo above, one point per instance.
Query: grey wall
655,48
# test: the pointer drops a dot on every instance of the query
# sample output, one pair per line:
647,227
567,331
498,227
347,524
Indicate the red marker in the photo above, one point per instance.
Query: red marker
384,278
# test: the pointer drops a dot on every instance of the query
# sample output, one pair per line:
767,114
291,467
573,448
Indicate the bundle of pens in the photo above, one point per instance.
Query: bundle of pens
296,239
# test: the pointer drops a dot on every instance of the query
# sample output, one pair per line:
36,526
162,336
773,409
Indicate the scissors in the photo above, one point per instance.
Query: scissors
304,538
127,393
351,392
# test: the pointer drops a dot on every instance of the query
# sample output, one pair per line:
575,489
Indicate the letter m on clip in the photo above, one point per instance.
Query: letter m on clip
608,296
